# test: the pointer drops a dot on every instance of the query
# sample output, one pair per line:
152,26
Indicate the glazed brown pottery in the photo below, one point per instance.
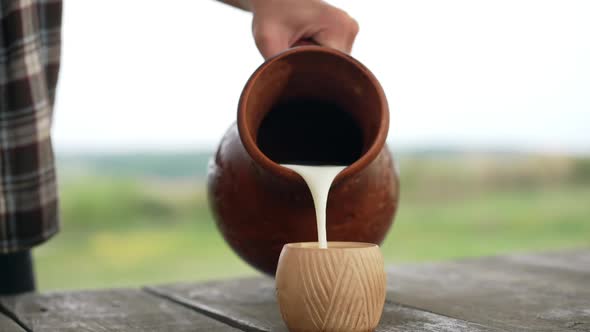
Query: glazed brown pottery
308,105
341,288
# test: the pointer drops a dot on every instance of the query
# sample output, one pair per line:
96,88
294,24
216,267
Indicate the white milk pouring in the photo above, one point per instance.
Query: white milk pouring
318,179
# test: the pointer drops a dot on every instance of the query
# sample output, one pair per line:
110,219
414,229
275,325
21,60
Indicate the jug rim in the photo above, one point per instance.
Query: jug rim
257,155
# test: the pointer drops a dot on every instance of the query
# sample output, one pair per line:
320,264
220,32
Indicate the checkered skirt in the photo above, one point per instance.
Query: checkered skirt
30,33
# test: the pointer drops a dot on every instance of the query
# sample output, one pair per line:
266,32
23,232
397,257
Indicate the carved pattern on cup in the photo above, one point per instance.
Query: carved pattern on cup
341,290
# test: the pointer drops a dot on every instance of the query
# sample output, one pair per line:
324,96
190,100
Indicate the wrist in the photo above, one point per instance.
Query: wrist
245,4
254,5
241,4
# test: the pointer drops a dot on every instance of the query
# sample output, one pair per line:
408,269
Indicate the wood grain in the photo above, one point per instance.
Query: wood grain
8,325
113,310
341,288
251,304
568,260
541,292
399,318
524,292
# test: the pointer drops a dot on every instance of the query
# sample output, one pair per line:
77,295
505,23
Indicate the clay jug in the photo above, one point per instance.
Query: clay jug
308,105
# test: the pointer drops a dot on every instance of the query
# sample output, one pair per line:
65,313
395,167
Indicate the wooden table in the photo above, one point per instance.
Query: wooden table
521,292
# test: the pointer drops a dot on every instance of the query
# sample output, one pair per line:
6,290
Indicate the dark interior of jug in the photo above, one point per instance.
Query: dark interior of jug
314,108
310,132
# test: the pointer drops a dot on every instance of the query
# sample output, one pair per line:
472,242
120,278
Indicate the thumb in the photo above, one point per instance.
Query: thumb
270,40
335,39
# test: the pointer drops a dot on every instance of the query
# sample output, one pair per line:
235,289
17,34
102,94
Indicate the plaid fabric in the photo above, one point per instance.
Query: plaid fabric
29,65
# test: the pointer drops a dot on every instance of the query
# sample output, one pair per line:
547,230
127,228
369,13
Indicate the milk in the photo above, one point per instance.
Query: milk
318,179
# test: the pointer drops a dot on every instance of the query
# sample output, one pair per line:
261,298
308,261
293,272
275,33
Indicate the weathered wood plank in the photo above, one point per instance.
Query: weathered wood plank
113,310
516,293
8,325
251,304
571,260
525,292
398,318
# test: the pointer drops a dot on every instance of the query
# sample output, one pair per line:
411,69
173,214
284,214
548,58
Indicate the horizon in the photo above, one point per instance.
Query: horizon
403,150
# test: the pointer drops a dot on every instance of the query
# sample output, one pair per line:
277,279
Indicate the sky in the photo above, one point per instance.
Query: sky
141,75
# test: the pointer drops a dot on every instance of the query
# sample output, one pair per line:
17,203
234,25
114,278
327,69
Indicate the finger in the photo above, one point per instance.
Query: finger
341,38
270,40
333,39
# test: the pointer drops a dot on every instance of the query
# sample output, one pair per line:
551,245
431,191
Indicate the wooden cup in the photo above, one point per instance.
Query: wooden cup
341,288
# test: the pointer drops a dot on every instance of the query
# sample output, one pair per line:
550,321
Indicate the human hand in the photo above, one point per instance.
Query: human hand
280,24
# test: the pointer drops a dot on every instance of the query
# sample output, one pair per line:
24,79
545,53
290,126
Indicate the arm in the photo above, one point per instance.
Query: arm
279,24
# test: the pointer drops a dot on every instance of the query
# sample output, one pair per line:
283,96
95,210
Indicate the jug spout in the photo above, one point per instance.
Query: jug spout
313,105
308,105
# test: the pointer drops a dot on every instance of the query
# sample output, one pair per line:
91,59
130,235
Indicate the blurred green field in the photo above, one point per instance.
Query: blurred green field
130,220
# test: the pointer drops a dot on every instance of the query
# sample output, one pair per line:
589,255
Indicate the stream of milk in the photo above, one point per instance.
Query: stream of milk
319,180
